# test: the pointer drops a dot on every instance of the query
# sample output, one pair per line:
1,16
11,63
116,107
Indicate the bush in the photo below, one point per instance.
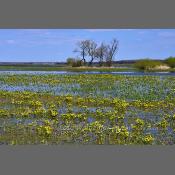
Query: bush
77,63
170,62
74,62
70,61
147,64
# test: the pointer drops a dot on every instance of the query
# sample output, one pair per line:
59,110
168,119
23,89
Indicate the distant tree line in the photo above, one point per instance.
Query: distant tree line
89,51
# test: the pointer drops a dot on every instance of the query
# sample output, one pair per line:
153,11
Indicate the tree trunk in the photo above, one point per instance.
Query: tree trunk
90,63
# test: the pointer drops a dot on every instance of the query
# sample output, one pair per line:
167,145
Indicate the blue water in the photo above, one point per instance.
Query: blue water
87,72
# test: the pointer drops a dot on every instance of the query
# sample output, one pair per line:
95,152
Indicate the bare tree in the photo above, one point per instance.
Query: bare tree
92,50
101,53
82,49
112,49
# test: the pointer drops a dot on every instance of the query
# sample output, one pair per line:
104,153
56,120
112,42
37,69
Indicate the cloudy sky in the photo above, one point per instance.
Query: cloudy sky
58,44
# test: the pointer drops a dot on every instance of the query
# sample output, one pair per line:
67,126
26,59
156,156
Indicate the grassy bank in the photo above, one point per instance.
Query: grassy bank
71,69
118,68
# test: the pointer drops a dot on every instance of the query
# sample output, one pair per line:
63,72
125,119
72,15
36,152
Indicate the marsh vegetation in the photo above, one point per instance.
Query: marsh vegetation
87,109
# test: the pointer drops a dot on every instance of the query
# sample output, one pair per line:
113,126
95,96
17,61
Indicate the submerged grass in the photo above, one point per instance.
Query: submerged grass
87,109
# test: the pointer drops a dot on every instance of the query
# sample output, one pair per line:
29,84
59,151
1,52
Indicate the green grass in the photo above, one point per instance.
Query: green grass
55,68
118,68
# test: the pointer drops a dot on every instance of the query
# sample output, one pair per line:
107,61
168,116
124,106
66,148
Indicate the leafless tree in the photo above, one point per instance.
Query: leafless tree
112,49
82,49
105,53
101,53
92,50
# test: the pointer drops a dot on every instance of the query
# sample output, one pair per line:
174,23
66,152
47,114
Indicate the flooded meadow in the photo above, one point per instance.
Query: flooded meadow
87,108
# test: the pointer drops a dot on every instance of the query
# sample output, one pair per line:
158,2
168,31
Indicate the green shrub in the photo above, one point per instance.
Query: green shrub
74,62
70,61
77,63
146,64
170,62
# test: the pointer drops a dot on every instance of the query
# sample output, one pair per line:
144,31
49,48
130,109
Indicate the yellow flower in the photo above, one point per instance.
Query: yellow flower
148,139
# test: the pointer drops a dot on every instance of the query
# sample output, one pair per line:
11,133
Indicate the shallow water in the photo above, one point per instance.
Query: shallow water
87,72
157,89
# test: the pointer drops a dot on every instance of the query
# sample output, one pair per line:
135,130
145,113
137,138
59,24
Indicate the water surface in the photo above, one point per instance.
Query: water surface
88,72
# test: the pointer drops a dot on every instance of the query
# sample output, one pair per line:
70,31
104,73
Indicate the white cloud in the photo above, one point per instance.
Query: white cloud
10,41
107,30
52,40
100,30
167,34
34,32
142,32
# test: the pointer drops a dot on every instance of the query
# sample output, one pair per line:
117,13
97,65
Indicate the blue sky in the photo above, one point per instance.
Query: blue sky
58,44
